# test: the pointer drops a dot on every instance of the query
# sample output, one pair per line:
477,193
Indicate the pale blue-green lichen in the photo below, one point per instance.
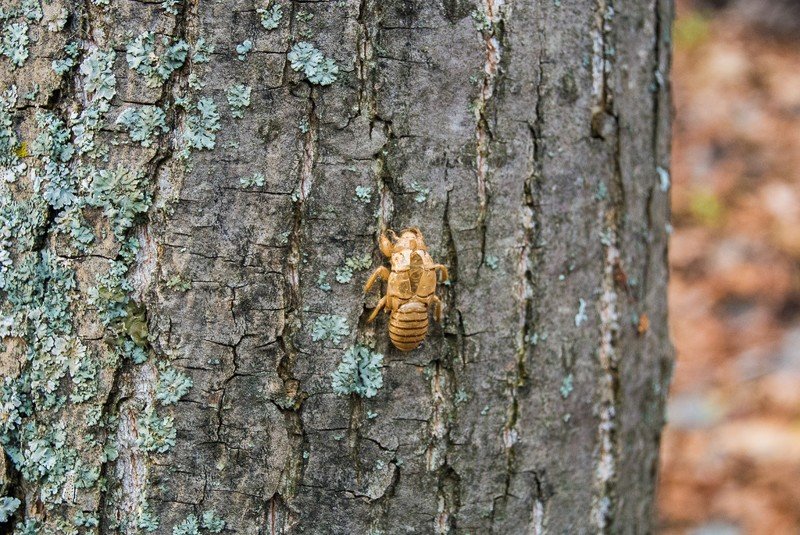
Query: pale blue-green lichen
83,370
421,192
8,504
61,66
238,99
270,16
177,282
121,195
318,69
155,434
190,526
172,386
359,263
59,21
322,282
252,181
82,519
15,43
602,192
202,125
85,126
359,372
344,275
364,193
155,67
195,82
566,386
98,74
31,10
39,291
145,518
492,262
244,48
212,522
329,327
481,20
143,122
202,51
170,6
324,73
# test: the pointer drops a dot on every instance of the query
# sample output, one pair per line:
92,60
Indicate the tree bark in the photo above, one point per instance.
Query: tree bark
224,245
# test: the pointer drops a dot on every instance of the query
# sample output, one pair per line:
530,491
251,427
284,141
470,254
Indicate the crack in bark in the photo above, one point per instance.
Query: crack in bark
483,131
602,52
605,474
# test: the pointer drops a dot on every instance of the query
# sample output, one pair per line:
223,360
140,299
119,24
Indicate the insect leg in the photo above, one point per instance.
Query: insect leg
382,272
386,246
443,270
378,308
437,307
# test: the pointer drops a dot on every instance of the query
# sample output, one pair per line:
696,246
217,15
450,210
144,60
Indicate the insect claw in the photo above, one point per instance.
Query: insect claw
386,245
378,308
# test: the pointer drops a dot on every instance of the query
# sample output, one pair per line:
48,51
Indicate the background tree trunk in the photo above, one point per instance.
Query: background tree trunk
528,140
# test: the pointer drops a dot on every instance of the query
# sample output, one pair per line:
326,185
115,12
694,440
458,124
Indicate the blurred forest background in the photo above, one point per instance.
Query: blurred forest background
731,450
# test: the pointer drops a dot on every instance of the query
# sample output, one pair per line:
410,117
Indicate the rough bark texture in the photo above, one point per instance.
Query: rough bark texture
528,140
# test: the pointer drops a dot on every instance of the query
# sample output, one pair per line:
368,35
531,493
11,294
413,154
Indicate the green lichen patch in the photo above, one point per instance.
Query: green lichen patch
8,505
566,386
364,193
178,283
143,123
172,386
581,317
318,69
121,194
212,522
270,16
155,66
329,327
62,66
170,6
202,51
243,49
15,41
98,74
238,99
190,526
252,181
201,126
344,274
421,193
145,518
322,282
358,373
155,434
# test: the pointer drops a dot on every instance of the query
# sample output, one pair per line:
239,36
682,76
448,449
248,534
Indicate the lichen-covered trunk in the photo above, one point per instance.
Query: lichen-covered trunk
190,201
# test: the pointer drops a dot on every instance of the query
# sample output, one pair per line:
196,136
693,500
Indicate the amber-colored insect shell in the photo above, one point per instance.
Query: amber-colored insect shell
411,288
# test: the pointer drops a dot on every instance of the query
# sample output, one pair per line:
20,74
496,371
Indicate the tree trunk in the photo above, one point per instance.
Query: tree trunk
186,233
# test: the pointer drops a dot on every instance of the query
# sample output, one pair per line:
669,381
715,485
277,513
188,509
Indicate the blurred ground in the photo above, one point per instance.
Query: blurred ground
731,450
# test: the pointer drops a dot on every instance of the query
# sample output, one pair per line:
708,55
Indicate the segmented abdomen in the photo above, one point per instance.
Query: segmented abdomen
408,325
